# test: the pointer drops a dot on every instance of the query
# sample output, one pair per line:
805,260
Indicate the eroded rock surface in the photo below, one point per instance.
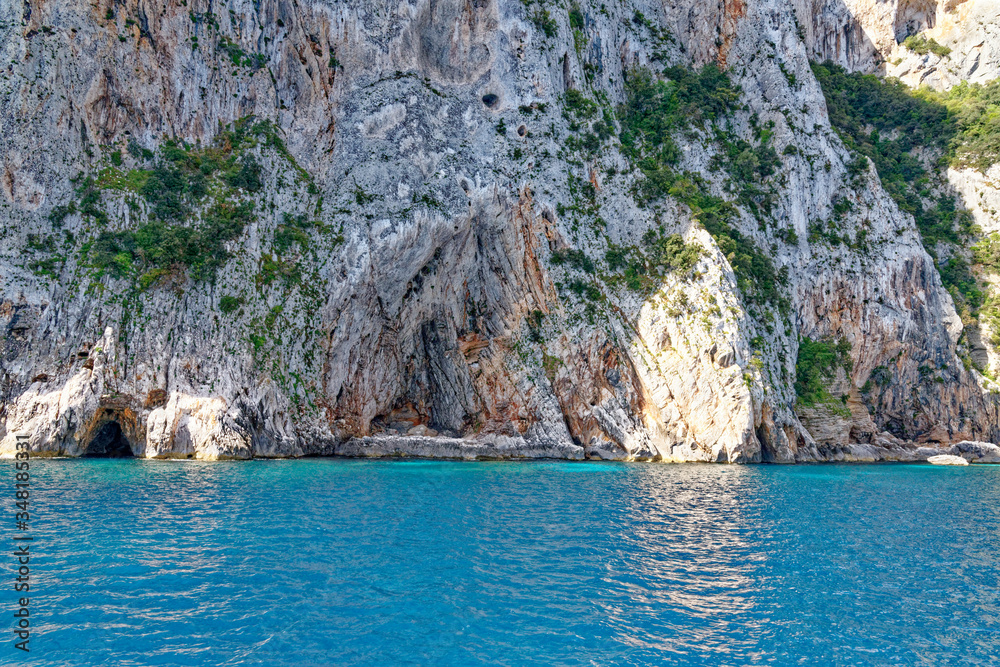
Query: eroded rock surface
403,287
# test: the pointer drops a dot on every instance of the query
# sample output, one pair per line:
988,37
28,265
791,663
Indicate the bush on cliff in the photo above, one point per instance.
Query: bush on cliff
654,111
816,366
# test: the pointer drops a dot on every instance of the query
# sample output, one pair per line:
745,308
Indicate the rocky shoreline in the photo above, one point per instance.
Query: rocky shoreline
478,230
509,449
501,448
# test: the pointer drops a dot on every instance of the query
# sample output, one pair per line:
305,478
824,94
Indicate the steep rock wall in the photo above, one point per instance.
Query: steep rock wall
868,35
423,311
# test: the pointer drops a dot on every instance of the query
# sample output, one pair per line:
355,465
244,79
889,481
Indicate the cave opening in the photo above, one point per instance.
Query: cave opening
109,443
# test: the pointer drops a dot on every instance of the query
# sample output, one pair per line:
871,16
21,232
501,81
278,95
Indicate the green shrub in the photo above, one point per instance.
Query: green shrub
987,252
195,198
47,267
963,123
789,76
880,376
956,275
361,197
579,104
247,177
859,102
59,213
544,22
534,320
273,268
292,232
585,290
654,110
975,110
923,45
616,257
90,201
44,243
788,235
239,57
137,151
158,247
258,341
152,278
112,178
671,251
574,258
990,315
229,304
816,366
758,280
749,165
168,192
667,251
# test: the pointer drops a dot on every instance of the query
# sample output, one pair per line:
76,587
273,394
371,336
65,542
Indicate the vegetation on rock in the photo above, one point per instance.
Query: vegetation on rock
654,111
975,110
660,254
910,137
816,366
923,45
197,199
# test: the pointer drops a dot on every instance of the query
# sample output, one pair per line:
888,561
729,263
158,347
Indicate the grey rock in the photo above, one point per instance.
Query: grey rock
425,315
977,452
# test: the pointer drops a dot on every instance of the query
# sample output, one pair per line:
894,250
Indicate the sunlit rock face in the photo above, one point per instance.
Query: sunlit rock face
868,36
969,30
402,286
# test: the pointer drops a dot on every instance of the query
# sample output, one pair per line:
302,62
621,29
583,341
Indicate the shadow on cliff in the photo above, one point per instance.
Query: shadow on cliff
109,443
909,138
856,40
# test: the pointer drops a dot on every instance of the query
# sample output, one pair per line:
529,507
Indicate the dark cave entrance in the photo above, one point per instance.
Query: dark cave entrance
109,443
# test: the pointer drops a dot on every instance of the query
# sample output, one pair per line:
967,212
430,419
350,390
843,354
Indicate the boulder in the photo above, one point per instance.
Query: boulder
947,460
977,452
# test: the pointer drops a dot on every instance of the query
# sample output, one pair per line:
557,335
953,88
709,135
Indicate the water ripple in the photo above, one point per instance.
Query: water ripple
326,562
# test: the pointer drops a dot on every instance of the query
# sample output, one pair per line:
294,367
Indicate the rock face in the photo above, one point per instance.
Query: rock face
868,35
977,452
969,30
426,269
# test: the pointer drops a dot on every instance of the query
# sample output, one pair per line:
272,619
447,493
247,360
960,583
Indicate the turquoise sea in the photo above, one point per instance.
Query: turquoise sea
342,562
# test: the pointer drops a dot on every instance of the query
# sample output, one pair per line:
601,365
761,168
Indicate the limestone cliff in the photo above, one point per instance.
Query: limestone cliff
869,35
277,229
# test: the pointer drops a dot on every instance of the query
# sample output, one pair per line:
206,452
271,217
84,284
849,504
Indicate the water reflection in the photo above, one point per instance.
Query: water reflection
362,562
688,558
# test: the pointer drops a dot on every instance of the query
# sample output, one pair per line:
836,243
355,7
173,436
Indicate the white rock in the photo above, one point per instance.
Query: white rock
947,460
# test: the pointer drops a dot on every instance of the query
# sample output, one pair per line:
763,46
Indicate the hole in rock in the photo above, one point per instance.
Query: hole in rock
109,443
521,131
767,450
490,100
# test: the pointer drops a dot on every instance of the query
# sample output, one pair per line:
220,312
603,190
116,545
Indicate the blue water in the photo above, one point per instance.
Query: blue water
325,562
